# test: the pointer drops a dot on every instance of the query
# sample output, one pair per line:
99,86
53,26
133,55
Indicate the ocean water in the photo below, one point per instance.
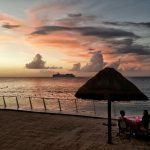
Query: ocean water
64,89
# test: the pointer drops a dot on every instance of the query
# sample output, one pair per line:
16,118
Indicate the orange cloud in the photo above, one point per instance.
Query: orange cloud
68,42
8,19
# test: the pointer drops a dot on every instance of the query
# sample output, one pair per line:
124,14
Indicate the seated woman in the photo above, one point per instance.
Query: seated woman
143,129
145,120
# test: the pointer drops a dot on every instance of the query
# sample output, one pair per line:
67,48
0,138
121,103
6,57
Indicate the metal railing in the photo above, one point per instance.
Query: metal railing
67,106
43,106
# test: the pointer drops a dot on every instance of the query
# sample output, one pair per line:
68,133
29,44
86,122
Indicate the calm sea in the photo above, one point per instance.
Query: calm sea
65,88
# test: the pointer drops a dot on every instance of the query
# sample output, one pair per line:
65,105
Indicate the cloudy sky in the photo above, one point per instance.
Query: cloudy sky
42,37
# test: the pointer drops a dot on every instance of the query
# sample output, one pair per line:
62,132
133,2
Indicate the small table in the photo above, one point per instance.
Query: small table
134,121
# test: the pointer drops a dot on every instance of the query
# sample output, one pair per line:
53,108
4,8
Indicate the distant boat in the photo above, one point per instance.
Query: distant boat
68,75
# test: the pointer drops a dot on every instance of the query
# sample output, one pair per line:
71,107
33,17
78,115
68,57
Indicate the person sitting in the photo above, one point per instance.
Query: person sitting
144,126
122,122
122,113
145,120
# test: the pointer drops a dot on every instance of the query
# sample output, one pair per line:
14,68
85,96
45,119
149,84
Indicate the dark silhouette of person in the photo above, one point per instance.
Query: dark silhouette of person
122,122
122,113
145,119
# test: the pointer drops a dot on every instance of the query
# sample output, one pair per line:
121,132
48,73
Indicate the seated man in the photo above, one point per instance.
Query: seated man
122,117
122,122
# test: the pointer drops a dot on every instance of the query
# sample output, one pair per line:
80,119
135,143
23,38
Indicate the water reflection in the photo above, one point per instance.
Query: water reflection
64,89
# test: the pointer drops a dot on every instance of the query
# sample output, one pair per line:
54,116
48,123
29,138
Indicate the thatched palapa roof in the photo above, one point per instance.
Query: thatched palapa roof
110,84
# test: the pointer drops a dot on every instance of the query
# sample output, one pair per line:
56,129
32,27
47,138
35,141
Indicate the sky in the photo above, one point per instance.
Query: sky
42,37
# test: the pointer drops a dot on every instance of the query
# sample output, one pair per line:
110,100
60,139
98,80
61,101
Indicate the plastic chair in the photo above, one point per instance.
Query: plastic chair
124,128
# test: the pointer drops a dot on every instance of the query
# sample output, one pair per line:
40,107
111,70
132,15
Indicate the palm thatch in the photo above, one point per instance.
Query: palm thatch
110,84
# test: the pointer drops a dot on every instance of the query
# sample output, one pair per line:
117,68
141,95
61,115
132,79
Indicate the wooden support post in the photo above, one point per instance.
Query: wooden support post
30,103
59,105
76,105
17,102
44,104
109,123
4,102
94,107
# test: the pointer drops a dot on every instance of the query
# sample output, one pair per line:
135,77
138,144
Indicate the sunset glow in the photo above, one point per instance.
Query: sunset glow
74,37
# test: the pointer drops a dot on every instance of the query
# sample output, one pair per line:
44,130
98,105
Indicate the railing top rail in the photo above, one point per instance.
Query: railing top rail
50,98
38,97
7,96
58,98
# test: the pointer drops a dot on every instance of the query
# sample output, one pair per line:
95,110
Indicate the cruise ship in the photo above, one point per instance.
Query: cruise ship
68,75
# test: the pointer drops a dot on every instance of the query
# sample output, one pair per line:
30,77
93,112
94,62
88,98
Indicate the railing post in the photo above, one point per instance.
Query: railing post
44,104
30,103
4,102
94,107
17,102
76,105
59,105
114,109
